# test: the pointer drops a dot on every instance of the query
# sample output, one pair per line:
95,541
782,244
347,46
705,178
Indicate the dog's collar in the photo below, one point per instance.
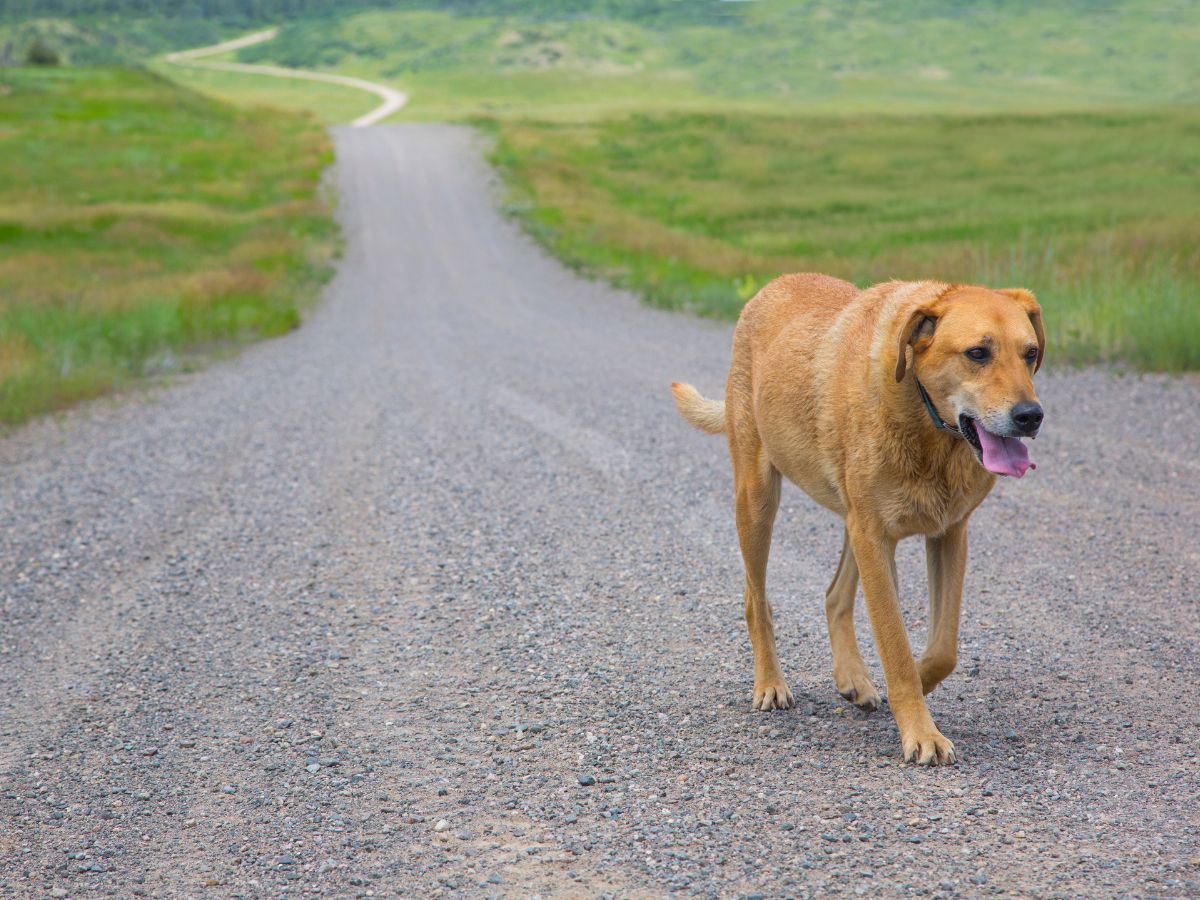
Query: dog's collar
938,421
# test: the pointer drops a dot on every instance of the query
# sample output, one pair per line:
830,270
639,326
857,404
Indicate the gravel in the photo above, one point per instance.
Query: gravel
457,504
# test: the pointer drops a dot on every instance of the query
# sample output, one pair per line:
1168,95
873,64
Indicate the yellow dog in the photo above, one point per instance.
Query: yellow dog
894,407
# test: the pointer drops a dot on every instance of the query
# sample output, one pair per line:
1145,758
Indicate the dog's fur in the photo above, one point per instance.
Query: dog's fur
822,389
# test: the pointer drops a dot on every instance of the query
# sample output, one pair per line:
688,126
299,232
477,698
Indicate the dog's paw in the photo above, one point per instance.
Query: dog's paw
772,694
928,747
855,685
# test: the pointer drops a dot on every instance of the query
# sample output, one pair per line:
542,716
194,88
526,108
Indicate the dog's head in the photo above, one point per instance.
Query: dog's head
975,351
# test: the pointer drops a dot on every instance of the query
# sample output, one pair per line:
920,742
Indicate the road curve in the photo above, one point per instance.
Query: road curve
392,99
437,596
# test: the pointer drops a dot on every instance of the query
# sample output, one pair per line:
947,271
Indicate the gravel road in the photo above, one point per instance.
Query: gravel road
391,100
438,596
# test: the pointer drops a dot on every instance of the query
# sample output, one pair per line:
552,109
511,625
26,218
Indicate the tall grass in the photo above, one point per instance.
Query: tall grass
140,222
1094,211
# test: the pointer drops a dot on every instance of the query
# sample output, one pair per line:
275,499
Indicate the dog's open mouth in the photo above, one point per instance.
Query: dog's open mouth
1000,455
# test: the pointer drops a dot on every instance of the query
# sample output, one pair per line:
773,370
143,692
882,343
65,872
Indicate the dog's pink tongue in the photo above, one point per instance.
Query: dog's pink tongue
1004,455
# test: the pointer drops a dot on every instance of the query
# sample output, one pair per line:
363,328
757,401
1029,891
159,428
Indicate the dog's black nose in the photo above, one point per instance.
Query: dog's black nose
1027,417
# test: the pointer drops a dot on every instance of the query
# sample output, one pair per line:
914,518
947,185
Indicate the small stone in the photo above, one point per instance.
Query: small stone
495,879
229,789
187,742
587,780
149,751
329,761
141,795
441,826
463,835
313,767
58,892
1011,735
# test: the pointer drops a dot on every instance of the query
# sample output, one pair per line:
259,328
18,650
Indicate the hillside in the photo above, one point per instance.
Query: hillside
867,55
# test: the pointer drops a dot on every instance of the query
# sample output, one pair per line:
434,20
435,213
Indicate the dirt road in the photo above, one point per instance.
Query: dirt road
391,100
438,594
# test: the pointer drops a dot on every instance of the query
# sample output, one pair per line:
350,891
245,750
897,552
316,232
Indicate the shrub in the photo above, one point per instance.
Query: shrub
41,54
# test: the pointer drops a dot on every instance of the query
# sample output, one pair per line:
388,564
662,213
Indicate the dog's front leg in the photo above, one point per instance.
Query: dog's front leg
875,552
946,564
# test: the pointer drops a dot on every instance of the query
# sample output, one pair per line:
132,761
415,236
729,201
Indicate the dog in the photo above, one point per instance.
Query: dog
894,407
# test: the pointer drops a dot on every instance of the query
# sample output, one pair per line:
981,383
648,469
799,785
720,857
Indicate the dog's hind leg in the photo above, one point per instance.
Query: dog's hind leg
946,564
849,671
758,484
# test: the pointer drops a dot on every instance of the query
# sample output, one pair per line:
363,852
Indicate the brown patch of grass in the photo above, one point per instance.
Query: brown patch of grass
17,358
206,288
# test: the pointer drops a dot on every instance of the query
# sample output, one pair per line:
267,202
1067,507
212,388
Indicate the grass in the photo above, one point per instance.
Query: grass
140,222
812,57
1094,211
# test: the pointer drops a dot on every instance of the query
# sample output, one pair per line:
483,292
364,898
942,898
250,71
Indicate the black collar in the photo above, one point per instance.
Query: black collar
937,420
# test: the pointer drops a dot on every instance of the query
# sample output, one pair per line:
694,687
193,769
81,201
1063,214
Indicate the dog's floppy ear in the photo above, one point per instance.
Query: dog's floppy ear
1030,305
919,327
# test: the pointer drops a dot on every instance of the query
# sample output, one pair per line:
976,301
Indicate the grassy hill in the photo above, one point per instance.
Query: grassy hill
106,40
822,56
139,222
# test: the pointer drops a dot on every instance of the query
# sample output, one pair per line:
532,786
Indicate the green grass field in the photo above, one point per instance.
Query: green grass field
1095,212
140,222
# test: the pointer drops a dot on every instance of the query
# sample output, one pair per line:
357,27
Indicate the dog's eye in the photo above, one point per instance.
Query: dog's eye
1031,354
979,354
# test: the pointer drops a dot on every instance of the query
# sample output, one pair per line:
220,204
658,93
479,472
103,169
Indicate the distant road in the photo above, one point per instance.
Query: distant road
448,554
393,99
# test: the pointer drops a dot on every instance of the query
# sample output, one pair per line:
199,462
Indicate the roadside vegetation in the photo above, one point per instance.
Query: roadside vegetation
139,223
1096,212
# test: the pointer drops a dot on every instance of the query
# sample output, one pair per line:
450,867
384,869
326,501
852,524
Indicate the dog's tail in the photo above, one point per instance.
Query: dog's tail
707,415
